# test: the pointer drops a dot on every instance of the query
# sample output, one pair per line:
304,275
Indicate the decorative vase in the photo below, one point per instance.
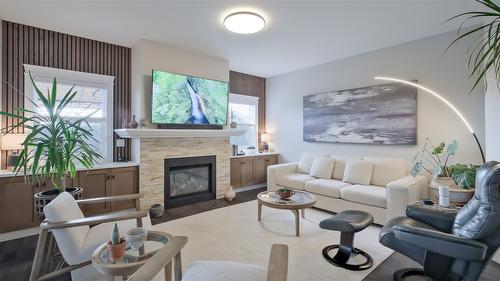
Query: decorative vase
133,124
458,196
156,211
116,252
125,123
230,194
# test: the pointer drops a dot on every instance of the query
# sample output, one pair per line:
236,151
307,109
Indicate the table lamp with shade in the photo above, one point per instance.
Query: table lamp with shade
12,143
265,138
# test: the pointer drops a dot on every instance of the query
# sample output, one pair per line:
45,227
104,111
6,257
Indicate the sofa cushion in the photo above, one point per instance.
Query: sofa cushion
224,271
365,194
295,181
339,168
358,172
306,161
322,167
386,170
69,240
330,188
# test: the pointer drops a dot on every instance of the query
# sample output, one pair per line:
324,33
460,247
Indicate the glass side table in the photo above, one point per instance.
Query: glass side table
133,259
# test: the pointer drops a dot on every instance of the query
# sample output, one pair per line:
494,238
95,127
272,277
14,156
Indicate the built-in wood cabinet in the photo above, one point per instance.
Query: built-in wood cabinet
251,170
16,196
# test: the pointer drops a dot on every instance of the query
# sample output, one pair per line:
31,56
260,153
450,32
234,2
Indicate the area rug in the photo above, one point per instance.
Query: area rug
234,234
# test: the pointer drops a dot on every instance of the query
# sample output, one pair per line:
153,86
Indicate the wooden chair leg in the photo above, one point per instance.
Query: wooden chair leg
39,254
178,267
168,272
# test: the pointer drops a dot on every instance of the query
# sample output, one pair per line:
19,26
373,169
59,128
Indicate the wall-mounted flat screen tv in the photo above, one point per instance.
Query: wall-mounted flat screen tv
183,101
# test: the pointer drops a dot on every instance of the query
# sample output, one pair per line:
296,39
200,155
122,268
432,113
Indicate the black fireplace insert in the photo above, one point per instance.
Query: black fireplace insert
189,180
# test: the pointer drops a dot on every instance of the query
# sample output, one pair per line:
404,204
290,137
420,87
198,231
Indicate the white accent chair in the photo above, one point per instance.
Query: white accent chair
277,269
76,236
388,190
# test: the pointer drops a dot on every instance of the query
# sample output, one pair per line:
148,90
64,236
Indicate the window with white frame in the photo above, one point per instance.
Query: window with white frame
94,100
244,110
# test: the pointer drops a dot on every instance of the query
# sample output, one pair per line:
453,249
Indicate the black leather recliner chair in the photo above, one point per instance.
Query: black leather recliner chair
451,245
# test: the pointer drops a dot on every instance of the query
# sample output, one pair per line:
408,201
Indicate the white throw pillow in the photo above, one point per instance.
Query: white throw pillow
339,168
322,167
305,162
358,172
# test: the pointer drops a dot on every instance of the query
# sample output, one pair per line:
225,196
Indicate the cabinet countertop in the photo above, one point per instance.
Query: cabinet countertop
255,155
109,165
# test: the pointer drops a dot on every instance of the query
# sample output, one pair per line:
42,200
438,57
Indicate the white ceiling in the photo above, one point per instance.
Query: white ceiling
298,33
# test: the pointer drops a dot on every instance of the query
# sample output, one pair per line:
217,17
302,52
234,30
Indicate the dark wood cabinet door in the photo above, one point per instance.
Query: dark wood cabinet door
247,172
16,201
123,181
95,184
260,169
236,172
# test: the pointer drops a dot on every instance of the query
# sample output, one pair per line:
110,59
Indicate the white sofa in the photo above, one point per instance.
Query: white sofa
389,190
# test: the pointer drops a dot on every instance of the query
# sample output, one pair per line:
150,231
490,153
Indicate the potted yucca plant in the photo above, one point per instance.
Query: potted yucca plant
53,146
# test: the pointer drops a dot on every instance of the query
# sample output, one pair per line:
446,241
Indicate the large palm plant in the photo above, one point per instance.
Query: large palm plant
484,52
54,146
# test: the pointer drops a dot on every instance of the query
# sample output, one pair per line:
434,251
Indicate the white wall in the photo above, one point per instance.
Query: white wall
148,55
422,60
492,118
1,78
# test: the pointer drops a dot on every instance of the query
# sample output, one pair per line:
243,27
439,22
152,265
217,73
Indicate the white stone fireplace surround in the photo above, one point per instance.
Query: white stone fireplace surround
152,146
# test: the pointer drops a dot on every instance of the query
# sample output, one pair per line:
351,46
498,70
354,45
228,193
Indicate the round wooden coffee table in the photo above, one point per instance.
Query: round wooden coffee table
300,201
133,259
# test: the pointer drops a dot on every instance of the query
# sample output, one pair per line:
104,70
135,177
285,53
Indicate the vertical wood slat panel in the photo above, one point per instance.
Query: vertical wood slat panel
24,44
245,84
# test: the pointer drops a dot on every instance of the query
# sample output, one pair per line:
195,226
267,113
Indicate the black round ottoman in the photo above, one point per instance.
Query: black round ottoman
347,222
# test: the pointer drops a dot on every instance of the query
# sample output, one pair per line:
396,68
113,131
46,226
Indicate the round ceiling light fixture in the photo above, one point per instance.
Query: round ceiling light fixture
244,22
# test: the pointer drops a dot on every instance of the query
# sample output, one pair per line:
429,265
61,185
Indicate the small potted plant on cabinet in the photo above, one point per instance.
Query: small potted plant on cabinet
116,246
459,178
53,146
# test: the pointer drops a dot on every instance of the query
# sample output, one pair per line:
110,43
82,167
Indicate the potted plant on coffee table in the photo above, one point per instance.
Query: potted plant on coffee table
54,146
435,161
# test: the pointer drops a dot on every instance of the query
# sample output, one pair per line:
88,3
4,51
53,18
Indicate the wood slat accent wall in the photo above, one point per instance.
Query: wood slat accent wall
246,84
24,44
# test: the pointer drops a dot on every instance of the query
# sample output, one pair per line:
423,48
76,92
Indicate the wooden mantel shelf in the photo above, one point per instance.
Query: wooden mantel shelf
176,133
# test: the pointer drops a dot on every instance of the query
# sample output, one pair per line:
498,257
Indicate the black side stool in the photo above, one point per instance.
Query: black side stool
347,222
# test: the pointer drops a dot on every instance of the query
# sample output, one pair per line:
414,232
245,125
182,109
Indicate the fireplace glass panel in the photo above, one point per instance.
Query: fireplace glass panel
189,180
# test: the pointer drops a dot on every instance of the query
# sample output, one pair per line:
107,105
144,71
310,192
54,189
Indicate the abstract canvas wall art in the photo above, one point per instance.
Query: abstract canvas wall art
380,114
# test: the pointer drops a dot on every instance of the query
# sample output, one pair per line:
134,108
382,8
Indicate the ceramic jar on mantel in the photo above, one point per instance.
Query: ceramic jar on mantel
458,196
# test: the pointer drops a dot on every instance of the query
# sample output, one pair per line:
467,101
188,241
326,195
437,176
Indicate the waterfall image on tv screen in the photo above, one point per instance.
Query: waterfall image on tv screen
183,99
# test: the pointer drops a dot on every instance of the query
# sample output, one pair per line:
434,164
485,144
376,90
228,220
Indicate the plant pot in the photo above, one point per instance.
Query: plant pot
458,196
116,252
42,198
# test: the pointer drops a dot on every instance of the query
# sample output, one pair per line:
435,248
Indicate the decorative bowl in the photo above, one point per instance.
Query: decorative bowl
285,193
136,237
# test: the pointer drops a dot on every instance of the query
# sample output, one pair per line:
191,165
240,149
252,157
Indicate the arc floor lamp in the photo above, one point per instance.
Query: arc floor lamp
429,91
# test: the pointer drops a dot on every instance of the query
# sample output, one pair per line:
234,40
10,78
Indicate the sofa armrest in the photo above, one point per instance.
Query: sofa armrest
274,171
403,192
